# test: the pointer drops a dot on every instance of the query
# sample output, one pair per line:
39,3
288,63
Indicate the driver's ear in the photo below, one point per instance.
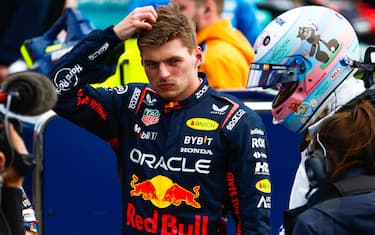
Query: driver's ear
198,56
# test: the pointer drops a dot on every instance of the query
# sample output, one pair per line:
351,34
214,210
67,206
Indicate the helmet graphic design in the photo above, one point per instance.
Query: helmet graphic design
303,52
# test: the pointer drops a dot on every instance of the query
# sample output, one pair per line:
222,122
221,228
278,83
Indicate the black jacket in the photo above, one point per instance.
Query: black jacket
345,207
11,219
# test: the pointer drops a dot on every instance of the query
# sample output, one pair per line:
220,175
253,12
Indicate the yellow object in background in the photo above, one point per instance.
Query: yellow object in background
129,67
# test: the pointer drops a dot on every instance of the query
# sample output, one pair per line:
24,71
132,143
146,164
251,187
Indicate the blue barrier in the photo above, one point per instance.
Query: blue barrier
75,185
76,189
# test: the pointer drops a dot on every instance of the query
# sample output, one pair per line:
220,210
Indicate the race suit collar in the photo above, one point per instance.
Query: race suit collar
195,98
199,94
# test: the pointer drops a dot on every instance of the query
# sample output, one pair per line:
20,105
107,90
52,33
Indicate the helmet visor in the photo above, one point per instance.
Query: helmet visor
270,75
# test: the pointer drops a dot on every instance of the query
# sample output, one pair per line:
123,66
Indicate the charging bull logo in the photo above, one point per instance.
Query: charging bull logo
162,192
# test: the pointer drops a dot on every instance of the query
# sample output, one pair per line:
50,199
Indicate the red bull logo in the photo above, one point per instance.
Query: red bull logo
166,224
162,192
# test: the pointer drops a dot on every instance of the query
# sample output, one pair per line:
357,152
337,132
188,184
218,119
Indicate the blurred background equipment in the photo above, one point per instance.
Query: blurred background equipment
40,53
28,93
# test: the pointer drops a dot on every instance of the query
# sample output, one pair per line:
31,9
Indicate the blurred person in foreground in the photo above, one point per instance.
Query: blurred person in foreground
16,209
342,166
227,53
186,153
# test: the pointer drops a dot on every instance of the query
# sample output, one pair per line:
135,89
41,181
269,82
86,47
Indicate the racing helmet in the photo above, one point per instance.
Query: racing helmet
306,54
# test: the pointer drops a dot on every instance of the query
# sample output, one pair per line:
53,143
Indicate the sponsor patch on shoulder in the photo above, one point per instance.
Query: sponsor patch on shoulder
66,78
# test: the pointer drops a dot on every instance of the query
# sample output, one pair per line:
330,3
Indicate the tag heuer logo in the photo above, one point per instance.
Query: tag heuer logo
150,116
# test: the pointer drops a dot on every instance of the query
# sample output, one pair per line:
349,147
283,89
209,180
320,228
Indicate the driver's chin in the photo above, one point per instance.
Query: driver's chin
168,95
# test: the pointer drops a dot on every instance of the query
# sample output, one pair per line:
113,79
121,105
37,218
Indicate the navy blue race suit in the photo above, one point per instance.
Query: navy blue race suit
180,164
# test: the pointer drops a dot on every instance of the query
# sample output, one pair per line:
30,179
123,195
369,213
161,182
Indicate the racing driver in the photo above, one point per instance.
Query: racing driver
187,154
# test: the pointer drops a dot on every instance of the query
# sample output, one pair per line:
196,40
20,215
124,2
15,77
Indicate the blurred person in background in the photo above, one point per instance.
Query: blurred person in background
136,3
243,16
227,53
241,13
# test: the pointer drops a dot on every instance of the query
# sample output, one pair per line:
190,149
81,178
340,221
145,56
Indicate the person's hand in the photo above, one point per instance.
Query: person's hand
139,18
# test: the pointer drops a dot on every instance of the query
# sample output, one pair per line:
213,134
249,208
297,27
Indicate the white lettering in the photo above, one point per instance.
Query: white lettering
101,50
134,100
66,78
261,168
258,155
237,116
145,135
176,164
201,92
256,131
258,143
198,140
264,202
196,151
